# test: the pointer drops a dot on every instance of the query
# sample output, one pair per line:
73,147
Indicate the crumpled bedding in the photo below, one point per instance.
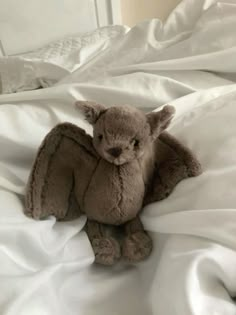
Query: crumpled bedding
46,66
47,266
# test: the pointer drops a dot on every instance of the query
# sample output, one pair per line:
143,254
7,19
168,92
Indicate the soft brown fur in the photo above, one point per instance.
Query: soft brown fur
129,162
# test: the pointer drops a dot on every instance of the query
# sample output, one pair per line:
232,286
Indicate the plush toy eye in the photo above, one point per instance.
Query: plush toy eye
136,143
100,137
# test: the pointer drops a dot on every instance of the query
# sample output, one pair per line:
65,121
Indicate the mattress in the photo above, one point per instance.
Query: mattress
47,266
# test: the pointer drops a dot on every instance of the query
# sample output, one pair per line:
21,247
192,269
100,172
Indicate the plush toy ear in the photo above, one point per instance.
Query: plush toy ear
159,121
91,110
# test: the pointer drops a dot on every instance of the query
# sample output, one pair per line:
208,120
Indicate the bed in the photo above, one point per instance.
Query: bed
188,62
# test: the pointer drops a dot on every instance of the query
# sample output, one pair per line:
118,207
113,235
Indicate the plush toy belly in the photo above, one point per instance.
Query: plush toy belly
115,193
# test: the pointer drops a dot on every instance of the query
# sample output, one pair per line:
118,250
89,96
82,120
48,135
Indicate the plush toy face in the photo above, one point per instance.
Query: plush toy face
123,133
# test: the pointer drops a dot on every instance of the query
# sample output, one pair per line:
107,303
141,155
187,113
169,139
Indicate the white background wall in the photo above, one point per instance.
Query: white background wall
134,11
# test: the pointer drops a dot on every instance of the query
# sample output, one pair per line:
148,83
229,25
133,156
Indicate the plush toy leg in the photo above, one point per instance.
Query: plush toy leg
106,248
137,244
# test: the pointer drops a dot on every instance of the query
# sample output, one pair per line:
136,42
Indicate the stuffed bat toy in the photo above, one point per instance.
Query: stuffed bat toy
129,162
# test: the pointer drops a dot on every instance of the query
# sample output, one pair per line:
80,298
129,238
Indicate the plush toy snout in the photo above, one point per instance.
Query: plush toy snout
115,152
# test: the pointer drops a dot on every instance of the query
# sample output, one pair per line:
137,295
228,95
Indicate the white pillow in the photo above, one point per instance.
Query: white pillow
26,25
47,65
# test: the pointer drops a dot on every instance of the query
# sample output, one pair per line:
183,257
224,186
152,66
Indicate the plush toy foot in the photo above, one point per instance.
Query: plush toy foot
137,246
106,250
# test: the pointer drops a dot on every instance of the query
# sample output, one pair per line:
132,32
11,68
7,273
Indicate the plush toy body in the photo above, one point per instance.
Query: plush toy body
129,162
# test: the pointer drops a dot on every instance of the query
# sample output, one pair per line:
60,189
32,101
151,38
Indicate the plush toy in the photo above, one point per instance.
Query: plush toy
129,162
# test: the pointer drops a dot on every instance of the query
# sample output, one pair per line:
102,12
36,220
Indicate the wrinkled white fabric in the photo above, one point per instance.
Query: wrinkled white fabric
46,267
47,65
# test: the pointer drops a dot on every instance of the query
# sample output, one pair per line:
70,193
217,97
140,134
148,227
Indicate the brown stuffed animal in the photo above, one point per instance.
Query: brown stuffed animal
128,163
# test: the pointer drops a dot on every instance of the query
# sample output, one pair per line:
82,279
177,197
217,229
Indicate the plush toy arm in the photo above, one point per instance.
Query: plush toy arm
50,189
174,162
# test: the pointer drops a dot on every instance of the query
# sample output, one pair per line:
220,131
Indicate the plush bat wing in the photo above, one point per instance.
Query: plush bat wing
173,163
65,154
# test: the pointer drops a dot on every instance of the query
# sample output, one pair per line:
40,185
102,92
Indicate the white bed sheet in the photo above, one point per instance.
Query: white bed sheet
46,267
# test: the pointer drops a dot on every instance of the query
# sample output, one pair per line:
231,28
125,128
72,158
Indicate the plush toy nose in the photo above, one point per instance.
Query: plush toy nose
115,151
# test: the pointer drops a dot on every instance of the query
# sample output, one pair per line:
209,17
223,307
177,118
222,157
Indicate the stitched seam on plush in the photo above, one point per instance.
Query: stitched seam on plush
32,181
50,162
121,192
101,114
118,206
71,191
86,189
45,185
141,170
105,130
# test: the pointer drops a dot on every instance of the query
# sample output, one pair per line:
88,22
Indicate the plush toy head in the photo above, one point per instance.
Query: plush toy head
122,133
